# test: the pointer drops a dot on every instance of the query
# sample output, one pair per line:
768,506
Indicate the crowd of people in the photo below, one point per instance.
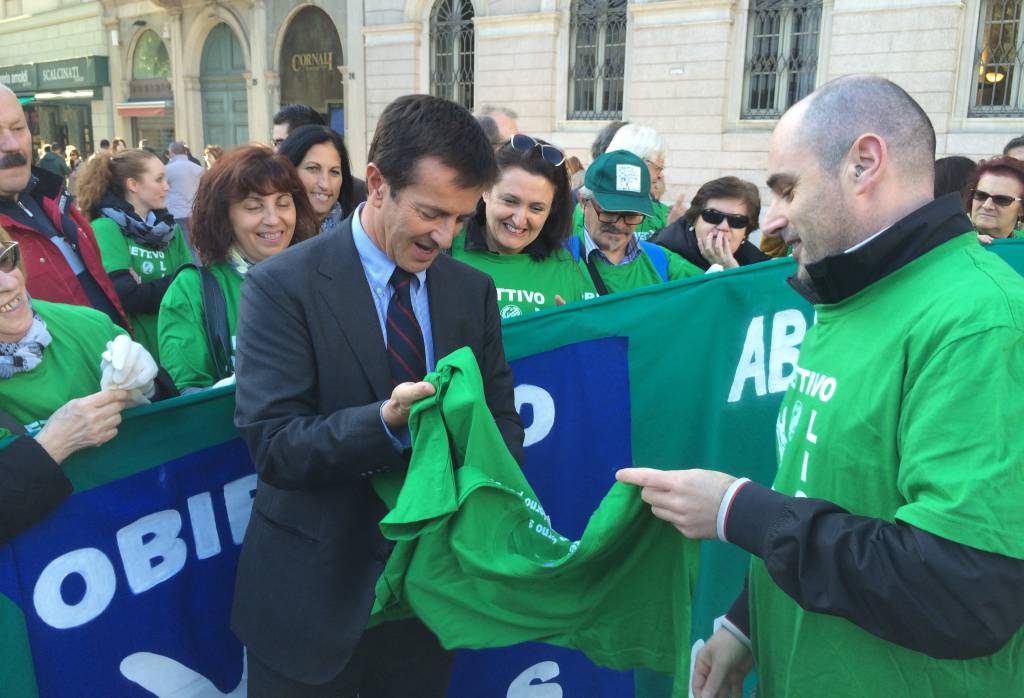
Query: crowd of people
134,276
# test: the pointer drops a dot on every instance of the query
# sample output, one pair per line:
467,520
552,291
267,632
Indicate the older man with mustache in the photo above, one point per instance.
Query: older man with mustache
57,243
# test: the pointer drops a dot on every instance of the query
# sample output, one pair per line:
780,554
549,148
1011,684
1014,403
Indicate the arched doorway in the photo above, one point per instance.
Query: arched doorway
150,106
225,109
311,54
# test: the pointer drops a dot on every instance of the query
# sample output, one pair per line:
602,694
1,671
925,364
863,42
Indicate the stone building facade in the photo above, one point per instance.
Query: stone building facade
709,75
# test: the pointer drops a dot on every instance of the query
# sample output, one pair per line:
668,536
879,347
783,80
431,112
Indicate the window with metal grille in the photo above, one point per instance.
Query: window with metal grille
451,51
997,65
782,56
597,58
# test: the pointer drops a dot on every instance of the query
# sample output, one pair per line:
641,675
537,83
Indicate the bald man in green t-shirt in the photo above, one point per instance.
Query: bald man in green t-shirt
888,555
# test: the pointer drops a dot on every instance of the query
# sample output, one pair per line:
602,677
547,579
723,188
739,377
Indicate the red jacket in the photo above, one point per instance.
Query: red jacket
50,277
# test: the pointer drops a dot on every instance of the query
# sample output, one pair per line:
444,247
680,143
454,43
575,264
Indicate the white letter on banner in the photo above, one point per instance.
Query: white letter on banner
751,363
100,584
238,500
543,412
523,687
152,538
788,330
204,525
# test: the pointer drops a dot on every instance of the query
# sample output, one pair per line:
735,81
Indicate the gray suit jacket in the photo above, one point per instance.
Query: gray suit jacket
312,374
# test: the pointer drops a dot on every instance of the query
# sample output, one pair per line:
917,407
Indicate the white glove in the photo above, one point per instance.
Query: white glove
230,380
714,268
128,366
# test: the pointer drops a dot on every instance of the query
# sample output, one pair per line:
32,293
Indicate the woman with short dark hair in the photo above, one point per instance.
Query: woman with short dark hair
320,157
995,199
518,231
250,206
714,230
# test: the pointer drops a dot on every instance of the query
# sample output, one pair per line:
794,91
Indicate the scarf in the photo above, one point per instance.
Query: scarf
25,354
239,263
335,216
155,232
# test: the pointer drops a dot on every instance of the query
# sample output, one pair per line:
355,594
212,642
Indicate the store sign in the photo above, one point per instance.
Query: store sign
158,88
52,76
75,73
310,55
313,61
18,77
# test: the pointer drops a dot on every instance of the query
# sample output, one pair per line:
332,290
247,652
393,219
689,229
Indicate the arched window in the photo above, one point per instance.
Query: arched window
782,56
597,58
998,60
451,51
150,60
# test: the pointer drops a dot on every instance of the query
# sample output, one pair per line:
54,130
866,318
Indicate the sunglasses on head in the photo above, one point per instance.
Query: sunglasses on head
10,257
714,217
523,143
1000,200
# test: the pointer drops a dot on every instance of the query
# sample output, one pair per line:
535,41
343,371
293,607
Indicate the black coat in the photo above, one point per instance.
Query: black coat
31,486
312,375
681,238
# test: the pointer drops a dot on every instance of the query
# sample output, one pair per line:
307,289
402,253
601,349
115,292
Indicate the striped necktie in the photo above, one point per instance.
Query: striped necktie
406,356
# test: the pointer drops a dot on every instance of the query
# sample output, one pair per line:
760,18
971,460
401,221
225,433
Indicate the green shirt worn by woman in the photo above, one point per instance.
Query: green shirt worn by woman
888,416
120,252
184,349
70,367
524,284
650,225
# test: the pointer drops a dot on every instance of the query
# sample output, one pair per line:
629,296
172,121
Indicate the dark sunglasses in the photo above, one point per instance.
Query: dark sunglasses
522,143
714,217
1000,200
10,257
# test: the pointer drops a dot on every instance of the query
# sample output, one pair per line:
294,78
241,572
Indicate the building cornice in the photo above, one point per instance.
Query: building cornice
390,34
659,14
500,26
64,15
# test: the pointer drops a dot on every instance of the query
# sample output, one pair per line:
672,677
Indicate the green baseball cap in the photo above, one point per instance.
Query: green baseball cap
620,182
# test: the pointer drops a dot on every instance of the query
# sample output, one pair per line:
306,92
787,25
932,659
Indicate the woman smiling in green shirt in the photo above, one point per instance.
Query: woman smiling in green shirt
517,233
252,205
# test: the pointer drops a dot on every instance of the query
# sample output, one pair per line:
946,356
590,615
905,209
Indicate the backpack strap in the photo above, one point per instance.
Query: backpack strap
11,424
575,246
218,331
656,253
215,320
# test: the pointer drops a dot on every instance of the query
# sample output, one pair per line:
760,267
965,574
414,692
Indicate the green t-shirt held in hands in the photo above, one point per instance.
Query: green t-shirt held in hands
903,408
184,349
120,253
478,560
70,367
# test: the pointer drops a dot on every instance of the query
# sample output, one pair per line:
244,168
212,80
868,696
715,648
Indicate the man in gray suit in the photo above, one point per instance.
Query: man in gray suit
334,337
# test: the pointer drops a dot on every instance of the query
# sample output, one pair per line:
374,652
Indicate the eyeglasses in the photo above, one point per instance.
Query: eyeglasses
714,217
655,167
523,143
10,257
609,217
1000,200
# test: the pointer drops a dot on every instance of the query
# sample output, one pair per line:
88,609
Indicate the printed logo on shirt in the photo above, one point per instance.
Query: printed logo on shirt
510,311
627,178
